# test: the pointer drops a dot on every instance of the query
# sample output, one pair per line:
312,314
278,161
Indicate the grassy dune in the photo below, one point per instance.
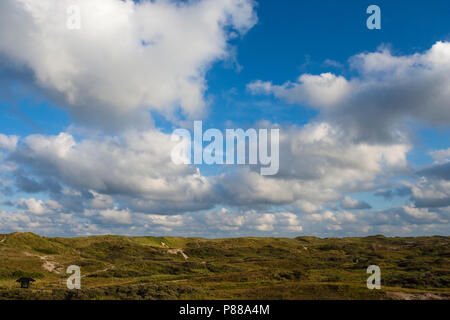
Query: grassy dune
120,267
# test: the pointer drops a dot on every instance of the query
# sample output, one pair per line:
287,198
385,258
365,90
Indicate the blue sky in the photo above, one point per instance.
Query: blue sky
84,102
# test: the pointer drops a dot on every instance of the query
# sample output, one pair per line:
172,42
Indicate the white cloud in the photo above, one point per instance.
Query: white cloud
430,192
127,55
325,90
8,142
113,215
53,205
402,221
420,213
100,201
306,206
121,182
135,166
319,163
388,90
350,203
441,156
36,206
244,222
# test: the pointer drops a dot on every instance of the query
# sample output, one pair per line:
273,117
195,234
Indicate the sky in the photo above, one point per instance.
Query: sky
86,117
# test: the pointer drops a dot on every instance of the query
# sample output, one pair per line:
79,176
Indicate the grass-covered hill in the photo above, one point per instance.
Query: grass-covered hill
121,267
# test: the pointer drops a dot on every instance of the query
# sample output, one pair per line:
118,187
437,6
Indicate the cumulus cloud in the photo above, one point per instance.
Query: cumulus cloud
439,170
8,142
212,223
324,90
441,156
420,214
108,216
361,141
350,204
36,206
135,167
389,194
406,220
128,184
398,221
431,188
427,191
388,90
332,221
430,193
245,222
319,164
127,56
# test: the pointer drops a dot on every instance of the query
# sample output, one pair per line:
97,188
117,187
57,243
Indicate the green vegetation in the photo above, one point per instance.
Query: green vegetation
120,267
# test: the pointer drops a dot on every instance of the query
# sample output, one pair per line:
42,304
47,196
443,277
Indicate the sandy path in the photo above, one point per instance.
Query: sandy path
177,251
48,264
99,271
